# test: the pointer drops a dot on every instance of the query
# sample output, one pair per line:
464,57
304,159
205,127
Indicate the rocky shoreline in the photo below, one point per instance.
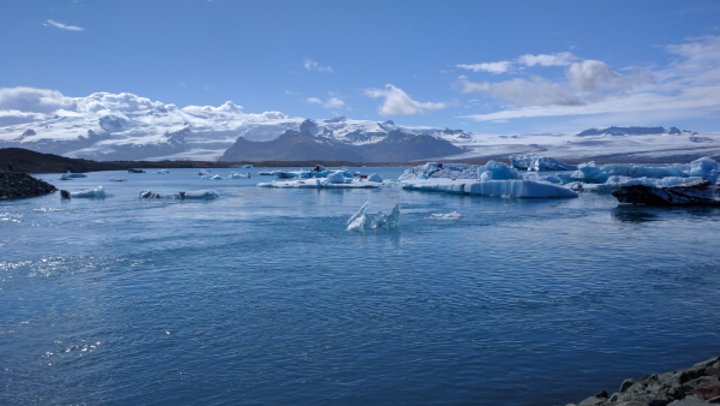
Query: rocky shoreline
18,185
695,386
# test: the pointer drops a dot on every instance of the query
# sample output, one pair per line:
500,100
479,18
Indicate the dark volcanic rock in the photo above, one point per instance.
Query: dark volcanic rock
699,385
16,185
701,193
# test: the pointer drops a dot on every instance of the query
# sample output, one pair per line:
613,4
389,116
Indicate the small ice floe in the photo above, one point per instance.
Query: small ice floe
266,173
118,180
247,166
191,195
204,172
70,175
163,172
211,177
362,221
95,193
133,170
235,175
334,180
452,216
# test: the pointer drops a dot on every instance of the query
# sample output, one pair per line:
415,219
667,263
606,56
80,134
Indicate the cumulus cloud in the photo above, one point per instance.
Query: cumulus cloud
397,102
63,26
490,67
313,66
332,103
557,59
686,87
33,100
585,81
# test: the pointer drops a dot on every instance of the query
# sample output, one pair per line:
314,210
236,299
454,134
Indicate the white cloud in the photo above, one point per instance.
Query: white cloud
63,26
30,99
557,59
397,102
490,67
332,103
687,87
585,82
311,65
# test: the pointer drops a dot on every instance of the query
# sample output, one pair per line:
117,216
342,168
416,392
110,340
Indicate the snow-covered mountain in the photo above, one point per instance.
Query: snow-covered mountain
124,126
341,140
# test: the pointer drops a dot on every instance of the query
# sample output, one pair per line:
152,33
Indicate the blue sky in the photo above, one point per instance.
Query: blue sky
486,66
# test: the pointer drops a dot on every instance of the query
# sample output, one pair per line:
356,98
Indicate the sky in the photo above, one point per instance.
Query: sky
483,66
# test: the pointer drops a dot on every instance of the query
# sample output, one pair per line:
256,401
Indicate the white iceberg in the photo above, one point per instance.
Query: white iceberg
95,193
211,177
363,221
335,180
235,175
191,195
705,168
452,216
70,175
491,179
374,177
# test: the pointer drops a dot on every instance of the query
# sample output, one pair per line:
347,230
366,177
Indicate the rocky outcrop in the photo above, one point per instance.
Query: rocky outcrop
696,386
16,185
701,193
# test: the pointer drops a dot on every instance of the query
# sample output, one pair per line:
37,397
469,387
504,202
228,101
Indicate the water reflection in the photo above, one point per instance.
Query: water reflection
642,214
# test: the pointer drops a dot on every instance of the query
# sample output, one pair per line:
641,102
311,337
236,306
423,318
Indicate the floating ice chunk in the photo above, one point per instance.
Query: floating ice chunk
199,195
321,184
337,178
589,172
95,193
452,216
191,195
235,175
363,221
539,163
204,172
616,182
700,192
493,170
70,175
518,188
374,177
440,170
211,177
706,168
118,180
163,172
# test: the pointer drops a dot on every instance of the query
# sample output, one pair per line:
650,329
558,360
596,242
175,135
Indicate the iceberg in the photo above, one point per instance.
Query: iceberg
70,175
235,175
118,180
705,168
95,193
192,195
362,221
334,180
163,172
492,179
211,177
537,163
374,177
452,216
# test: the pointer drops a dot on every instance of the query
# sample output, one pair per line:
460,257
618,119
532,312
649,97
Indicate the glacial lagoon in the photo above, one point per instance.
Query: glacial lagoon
263,297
